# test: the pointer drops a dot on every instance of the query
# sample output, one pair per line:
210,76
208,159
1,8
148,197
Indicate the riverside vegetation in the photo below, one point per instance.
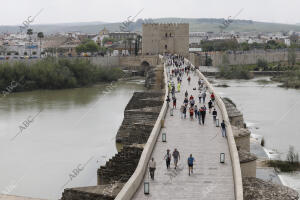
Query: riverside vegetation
54,74
291,163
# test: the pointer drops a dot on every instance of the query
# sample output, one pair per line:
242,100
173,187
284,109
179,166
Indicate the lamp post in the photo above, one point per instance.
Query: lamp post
164,137
222,157
217,123
146,187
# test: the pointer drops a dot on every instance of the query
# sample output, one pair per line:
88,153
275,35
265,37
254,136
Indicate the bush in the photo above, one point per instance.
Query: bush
262,64
290,79
52,74
234,72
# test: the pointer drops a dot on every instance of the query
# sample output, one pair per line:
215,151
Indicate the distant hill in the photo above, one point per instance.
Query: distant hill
196,25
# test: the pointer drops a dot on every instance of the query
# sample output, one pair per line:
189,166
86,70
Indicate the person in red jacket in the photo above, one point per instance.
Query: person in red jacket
212,97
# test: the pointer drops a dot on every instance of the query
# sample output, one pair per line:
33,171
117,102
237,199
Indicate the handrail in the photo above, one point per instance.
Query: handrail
136,179
236,168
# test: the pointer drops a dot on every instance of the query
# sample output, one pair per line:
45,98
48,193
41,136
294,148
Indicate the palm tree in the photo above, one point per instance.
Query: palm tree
40,36
29,33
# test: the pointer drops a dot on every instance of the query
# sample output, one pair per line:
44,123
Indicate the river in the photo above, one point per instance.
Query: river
56,139
271,112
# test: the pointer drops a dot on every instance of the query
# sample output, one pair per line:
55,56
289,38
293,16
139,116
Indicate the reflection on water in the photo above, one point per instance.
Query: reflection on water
75,130
270,111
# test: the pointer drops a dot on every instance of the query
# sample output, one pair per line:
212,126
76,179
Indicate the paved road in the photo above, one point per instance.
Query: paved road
210,180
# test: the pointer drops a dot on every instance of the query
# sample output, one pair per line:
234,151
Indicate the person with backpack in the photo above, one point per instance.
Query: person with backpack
176,157
214,113
168,158
223,128
190,162
152,167
210,106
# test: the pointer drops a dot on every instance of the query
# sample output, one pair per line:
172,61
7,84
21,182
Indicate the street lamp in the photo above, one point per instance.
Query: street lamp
146,187
217,123
222,157
164,137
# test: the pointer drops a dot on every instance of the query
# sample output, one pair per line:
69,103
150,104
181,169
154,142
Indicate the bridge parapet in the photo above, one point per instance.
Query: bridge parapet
237,175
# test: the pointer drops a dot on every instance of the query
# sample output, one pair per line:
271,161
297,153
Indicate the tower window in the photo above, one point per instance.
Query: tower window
166,47
166,34
170,35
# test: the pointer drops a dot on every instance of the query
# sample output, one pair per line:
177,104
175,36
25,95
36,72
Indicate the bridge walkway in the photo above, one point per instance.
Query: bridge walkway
211,180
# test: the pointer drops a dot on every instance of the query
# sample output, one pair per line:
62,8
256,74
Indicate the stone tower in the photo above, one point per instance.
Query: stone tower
165,38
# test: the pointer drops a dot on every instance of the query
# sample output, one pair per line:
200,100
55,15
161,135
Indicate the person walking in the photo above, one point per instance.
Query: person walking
223,128
210,106
212,97
178,86
203,114
191,113
214,113
176,157
196,111
168,100
181,111
190,162
152,167
189,80
174,102
184,112
186,94
200,115
200,97
168,158
203,96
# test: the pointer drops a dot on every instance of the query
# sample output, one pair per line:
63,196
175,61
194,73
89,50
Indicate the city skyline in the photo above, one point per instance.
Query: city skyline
70,11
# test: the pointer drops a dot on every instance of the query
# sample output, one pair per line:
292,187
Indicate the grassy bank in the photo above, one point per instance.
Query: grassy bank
53,74
289,80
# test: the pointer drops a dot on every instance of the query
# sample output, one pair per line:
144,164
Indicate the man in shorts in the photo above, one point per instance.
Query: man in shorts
176,156
190,163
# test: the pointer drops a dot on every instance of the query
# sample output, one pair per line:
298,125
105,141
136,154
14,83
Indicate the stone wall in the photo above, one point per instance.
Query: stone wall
256,189
241,58
165,38
120,167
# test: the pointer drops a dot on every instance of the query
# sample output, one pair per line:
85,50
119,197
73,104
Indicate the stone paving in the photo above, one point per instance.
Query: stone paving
211,180
10,197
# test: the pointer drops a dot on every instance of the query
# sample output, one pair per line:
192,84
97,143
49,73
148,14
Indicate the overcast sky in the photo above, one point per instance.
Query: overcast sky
14,12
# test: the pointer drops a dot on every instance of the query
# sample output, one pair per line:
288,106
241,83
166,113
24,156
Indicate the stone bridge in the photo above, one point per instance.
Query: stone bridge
211,179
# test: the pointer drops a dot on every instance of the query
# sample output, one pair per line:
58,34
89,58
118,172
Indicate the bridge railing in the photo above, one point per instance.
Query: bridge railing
236,168
136,179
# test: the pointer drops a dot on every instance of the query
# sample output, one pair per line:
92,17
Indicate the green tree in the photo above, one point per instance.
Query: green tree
40,36
30,33
291,56
87,46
